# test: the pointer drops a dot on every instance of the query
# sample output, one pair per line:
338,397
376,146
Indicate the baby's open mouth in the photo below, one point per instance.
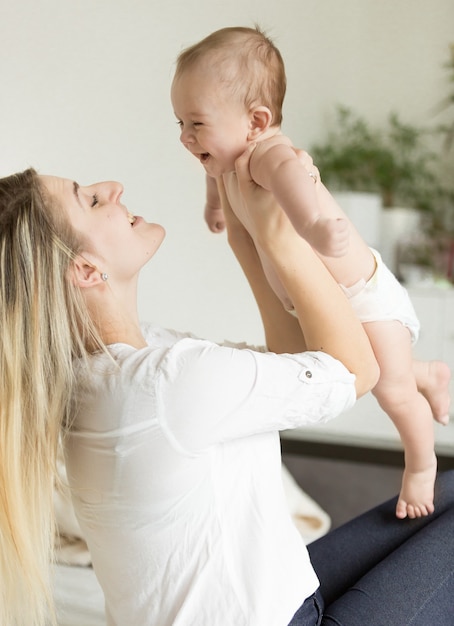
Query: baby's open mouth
204,157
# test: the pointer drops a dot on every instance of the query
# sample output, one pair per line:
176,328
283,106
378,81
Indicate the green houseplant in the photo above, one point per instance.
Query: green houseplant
438,224
447,104
393,161
399,162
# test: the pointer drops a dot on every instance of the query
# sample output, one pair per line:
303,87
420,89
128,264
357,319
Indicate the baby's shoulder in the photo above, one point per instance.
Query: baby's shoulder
271,149
271,142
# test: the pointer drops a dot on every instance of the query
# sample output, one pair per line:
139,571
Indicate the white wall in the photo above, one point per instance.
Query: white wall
85,94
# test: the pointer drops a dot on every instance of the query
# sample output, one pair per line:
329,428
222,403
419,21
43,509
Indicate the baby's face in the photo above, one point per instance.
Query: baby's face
214,125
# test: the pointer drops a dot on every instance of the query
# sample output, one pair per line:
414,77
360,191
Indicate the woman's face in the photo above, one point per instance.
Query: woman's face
119,242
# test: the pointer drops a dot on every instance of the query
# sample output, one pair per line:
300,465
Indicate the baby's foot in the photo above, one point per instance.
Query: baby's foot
416,498
433,378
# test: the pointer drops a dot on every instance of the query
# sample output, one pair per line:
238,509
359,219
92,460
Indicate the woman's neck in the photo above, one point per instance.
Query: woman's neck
116,317
130,335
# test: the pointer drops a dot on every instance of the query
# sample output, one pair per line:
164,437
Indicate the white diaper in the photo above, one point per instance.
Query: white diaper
382,298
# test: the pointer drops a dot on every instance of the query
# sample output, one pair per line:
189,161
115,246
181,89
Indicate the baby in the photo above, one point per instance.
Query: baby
227,93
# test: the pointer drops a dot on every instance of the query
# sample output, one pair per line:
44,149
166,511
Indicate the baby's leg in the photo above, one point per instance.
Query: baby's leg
432,380
398,395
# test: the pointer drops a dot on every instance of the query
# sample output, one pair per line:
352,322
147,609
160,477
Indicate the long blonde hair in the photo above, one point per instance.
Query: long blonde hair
44,325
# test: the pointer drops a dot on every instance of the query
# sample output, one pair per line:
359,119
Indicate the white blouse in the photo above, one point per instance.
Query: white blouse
175,469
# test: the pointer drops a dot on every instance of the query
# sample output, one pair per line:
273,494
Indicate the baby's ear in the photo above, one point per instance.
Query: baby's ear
260,120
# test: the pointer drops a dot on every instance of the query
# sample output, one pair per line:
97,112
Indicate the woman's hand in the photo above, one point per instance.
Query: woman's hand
264,217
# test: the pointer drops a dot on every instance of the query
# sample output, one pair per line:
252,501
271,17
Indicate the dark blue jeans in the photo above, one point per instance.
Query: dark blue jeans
377,570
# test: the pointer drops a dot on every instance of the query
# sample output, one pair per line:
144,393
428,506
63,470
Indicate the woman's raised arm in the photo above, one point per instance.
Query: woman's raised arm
325,316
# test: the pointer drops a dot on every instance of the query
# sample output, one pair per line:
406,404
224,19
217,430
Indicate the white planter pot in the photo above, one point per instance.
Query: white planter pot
397,225
364,210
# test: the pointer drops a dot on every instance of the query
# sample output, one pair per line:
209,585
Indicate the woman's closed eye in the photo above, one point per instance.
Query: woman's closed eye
94,200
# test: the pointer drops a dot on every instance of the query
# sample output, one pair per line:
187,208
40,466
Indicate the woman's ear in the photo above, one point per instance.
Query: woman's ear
260,120
84,273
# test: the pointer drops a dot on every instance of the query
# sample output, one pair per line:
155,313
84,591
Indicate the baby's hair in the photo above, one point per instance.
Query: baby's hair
247,61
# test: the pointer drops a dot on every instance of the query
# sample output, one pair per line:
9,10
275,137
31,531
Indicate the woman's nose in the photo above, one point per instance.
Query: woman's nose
116,190
112,190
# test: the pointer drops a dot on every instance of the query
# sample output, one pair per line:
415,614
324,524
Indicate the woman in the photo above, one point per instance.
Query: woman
172,445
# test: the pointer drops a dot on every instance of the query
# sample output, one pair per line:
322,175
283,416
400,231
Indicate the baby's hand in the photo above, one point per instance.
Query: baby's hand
214,217
329,237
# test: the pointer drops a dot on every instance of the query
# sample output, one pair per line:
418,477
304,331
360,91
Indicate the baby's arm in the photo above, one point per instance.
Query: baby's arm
213,213
277,169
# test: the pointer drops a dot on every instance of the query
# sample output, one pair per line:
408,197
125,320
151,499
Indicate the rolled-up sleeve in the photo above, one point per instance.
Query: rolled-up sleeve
211,394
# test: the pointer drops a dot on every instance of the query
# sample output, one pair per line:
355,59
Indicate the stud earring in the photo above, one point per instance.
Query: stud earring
104,276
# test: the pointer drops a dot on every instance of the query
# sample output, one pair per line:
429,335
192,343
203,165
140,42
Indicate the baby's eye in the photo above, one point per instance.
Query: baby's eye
197,124
180,123
94,201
